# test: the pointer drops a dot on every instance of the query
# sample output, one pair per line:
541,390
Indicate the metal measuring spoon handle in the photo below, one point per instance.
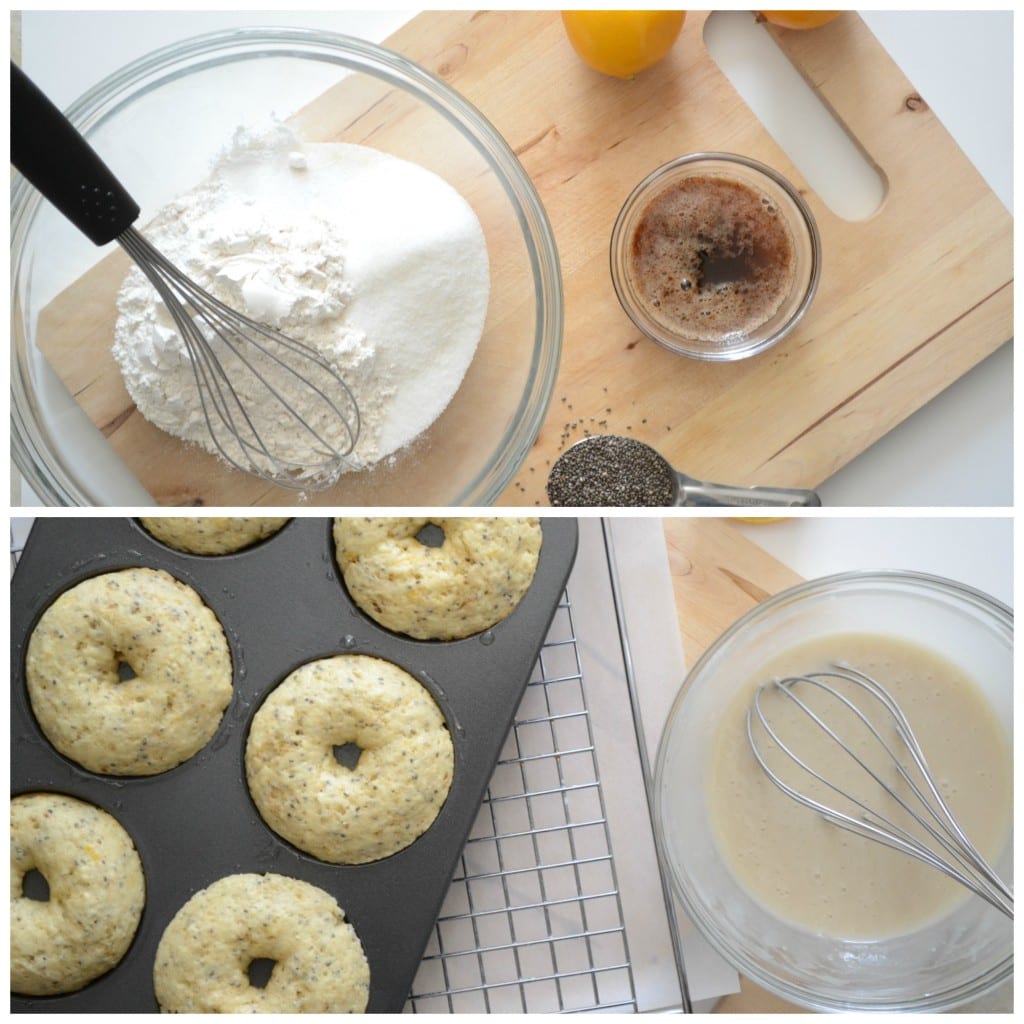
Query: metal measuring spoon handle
691,493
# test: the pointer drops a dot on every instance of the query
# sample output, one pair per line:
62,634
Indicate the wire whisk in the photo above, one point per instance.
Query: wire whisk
234,358
885,749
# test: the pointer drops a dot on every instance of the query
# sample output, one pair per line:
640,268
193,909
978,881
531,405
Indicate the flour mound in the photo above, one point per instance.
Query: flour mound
374,262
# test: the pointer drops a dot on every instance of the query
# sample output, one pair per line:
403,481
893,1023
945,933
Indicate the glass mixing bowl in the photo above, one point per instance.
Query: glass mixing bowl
957,957
158,123
762,182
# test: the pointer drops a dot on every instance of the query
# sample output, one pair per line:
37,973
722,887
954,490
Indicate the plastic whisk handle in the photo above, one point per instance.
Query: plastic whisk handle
52,154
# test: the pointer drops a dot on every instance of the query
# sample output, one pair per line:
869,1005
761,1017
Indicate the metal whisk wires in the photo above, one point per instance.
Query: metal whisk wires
931,833
232,357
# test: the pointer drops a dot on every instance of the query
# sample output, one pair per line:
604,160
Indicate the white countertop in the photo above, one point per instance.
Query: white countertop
975,550
955,451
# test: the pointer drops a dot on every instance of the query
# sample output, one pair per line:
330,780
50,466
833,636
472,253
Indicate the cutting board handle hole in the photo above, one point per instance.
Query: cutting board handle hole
830,159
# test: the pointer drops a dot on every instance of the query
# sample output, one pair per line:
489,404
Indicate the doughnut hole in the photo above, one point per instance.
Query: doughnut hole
259,971
431,536
34,886
125,672
348,754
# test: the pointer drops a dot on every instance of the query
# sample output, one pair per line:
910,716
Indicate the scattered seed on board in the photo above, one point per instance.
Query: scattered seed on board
610,471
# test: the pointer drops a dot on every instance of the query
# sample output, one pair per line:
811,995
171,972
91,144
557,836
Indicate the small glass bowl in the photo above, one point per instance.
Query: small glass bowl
951,960
806,254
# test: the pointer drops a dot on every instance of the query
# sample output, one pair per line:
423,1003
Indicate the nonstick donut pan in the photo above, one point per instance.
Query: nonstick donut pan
282,603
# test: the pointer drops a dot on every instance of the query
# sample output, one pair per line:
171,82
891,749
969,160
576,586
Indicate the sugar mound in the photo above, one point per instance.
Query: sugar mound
374,261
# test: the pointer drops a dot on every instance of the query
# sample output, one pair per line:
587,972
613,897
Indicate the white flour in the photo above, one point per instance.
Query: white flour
374,261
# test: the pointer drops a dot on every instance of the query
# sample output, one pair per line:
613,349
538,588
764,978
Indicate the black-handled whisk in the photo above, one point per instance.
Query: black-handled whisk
225,347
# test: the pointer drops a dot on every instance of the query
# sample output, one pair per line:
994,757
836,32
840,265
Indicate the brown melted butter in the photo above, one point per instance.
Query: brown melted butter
712,258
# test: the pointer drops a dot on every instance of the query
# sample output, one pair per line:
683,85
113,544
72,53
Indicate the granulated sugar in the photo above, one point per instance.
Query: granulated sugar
374,261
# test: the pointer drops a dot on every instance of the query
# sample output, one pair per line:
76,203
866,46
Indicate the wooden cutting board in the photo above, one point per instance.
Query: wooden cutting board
909,299
717,576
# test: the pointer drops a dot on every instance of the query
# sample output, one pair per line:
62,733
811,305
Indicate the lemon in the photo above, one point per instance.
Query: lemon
622,43
800,19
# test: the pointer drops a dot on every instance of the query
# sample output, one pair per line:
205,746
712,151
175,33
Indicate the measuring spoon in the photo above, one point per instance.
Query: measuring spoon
612,471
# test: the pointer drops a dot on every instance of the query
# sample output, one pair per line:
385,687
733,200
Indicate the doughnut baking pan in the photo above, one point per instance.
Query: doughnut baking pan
281,603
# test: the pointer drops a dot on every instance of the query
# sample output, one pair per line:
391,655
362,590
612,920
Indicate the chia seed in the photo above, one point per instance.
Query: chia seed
610,471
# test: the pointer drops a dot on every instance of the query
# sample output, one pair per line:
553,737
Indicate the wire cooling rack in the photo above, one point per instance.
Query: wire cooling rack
534,919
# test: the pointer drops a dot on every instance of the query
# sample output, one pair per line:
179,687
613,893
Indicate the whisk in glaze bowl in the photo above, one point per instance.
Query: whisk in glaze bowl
953,954
232,356
903,808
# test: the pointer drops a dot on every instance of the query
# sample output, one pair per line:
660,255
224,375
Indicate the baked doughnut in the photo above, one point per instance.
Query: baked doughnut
307,795
145,619
211,535
204,954
472,581
97,892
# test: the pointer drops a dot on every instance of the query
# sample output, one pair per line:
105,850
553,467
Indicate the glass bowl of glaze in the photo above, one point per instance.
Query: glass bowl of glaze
780,936
715,256
158,123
